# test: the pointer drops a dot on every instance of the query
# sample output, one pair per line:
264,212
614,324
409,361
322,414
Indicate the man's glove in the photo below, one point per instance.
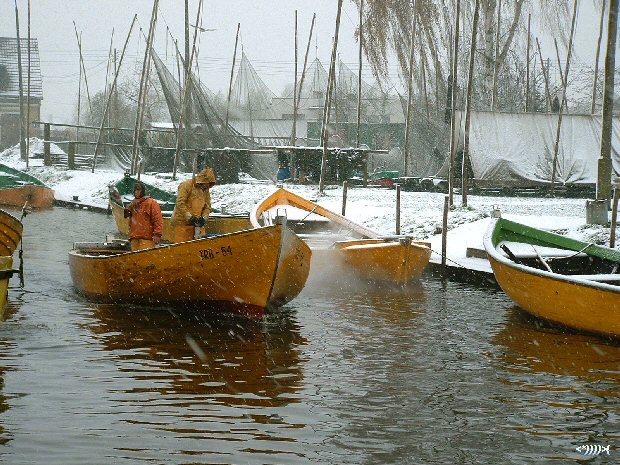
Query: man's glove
126,213
197,221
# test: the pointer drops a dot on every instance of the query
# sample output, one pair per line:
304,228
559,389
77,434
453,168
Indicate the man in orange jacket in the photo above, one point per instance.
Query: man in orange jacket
193,205
146,221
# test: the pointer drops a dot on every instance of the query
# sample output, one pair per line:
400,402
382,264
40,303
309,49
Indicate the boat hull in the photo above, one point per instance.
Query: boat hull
246,272
576,301
592,307
398,262
10,233
39,197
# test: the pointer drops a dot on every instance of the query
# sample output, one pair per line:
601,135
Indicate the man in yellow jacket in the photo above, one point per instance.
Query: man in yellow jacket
193,205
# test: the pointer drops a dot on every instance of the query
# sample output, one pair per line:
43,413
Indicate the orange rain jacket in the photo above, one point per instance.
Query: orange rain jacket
146,219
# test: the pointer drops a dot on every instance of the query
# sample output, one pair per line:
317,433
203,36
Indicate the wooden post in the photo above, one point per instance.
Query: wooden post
598,54
397,208
453,97
71,156
345,187
444,234
470,88
47,156
614,217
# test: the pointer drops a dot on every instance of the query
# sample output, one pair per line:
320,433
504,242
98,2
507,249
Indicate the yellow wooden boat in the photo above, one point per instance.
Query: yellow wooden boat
563,280
10,235
394,259
121,194
245,272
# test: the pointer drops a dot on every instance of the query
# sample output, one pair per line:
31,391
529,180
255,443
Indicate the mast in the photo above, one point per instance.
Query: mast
470,88
409,123
232,72
107,104
22,142
359,79
144,78
603,184
294,132
562,102
28,91
453,96
326,108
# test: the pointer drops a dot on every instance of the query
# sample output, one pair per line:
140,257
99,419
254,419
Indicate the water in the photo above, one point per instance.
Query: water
436,373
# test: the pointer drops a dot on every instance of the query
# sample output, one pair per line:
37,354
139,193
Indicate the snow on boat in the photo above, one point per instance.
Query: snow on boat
396,260
556,278
246,272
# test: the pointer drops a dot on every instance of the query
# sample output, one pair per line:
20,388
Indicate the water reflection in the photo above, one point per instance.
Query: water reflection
235,360
535,347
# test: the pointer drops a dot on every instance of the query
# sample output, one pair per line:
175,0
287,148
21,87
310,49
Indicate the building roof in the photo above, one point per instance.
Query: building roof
9,74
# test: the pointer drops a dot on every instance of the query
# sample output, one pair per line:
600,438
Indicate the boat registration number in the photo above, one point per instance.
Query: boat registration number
208,254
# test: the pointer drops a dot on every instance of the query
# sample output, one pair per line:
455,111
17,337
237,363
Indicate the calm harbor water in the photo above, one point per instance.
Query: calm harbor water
438,373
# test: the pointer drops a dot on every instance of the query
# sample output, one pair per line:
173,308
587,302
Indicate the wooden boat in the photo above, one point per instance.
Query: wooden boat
563,280
10,236
245,272
17,188
396,260
121,194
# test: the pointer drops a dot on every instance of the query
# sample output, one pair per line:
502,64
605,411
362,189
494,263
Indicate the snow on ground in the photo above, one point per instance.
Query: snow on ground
421,212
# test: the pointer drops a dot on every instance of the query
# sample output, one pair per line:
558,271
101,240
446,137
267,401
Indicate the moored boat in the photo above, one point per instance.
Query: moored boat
10,236
245,272
17,188
373,257
563,280
121,194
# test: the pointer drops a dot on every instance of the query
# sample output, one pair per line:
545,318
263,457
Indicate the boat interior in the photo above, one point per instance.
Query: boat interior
562,261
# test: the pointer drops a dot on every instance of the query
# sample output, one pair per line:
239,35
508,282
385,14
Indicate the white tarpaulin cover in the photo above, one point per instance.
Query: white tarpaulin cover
517,149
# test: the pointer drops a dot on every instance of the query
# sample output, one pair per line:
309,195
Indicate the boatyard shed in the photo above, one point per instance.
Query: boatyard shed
9,87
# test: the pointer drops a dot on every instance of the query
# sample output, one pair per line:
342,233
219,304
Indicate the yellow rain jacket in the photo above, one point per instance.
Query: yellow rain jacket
192,201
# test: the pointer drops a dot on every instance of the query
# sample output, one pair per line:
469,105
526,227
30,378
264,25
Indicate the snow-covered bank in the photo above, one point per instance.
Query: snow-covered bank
421,212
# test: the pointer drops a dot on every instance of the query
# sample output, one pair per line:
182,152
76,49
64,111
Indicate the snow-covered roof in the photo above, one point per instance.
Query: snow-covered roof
9,70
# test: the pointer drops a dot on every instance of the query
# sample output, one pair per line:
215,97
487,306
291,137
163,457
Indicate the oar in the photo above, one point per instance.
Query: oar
25,210
512,256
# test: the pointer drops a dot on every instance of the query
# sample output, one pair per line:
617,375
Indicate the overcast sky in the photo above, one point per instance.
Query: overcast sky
267,37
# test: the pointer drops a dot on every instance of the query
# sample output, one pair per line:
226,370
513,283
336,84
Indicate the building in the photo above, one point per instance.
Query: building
9,88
